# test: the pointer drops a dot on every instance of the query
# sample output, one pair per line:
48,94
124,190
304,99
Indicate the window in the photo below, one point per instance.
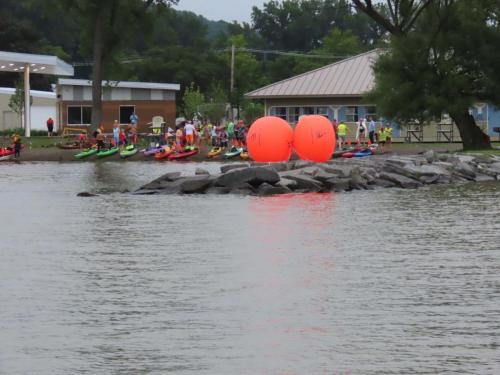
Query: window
308,111
351,114
293,115
323,111
371,111
79,115
125,113
280,112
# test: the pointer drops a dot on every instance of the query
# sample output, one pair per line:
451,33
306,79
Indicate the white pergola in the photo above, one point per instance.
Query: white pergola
27,63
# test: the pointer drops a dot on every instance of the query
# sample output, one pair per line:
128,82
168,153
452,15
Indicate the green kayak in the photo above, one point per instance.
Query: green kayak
108,152
86,153
129,151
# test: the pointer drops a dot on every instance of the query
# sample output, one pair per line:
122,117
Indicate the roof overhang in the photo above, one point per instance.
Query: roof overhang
39,64
284,97
121,84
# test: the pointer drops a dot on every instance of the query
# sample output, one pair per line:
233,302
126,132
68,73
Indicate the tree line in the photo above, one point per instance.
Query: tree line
439,56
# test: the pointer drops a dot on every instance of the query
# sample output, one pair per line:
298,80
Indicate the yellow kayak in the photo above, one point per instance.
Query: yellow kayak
215,151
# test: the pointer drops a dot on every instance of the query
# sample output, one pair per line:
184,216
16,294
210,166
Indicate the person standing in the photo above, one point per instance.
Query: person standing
230,130
190,130
16,139
342,133
371,130
134,119
116,133
50,127
100,138
381,139
361,132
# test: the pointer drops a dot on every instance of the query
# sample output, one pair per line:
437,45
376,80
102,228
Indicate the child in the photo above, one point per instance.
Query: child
381,139
82,138
17,145
178,138
122,139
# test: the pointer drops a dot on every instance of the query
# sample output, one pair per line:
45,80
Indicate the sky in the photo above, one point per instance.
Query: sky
227,10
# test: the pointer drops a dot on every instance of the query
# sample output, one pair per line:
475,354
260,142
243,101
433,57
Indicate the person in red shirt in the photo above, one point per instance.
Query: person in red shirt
122,139
50,127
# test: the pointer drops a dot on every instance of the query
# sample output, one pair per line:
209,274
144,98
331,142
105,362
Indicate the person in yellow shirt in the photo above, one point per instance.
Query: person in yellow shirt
342,133
382,135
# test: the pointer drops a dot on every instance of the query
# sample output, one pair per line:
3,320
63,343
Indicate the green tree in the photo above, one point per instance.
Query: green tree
214,108
16,101
252,111
107,27
444,63
193,100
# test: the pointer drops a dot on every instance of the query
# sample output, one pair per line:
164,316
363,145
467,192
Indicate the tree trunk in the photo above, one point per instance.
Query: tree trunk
472,136
97,71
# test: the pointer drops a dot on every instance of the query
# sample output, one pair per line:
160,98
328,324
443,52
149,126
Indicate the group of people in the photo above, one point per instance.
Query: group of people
193,133
366,134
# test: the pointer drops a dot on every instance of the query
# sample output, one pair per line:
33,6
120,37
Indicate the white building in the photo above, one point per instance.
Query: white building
44,105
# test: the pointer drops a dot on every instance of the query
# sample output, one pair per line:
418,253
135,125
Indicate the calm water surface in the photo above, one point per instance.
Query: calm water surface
386,282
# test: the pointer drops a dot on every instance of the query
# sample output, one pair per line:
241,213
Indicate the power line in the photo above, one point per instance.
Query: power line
137,59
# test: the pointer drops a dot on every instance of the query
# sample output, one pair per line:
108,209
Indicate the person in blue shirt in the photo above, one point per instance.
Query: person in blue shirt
134,119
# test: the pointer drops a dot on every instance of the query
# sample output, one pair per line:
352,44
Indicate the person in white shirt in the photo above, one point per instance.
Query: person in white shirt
361,132
190,130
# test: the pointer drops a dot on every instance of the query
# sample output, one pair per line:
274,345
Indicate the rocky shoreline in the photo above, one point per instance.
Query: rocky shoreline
338,175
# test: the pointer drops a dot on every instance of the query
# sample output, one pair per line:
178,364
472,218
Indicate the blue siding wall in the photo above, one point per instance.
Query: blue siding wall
493,119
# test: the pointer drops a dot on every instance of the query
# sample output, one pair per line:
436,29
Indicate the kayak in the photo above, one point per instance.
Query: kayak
129,151
163,153
363,153
244,155
338,154
108,152
348,155
233,152
182,155
215,151
86,153
152,151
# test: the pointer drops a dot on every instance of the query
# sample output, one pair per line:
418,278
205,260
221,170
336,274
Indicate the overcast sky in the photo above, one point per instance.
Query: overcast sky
227,10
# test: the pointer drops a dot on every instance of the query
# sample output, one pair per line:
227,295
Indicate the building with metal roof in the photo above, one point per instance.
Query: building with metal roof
334,90
337,91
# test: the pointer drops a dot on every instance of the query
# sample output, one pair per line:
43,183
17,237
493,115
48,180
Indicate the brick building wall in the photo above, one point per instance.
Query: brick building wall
145,110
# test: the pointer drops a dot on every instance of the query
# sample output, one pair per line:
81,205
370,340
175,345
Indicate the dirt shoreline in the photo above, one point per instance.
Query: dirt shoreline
54,154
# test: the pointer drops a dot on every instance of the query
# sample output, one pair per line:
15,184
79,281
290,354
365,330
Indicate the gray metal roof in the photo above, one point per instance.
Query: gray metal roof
39,64
121,84
349,77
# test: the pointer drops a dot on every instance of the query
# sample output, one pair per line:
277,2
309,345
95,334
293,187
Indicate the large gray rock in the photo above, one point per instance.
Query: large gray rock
338,169
399,180
200,171
287,183
382,183
277,167
309,171
323,176
244,189
430,156
229,167
358,182
464,170
166,178
304,182
298,164
86,194
253,176
172,187
196,185
265,190
339,185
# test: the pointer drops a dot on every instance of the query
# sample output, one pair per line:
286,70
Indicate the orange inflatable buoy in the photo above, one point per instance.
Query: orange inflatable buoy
314,139
269,140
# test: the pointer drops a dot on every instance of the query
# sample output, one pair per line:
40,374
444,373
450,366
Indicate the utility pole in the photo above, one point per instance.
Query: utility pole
233,51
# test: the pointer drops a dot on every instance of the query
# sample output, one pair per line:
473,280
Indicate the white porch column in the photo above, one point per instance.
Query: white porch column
27,106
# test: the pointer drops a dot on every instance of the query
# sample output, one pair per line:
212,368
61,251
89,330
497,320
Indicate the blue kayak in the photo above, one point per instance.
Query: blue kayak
363,153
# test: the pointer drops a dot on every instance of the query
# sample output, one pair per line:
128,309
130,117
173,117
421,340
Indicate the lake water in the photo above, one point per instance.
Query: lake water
385,282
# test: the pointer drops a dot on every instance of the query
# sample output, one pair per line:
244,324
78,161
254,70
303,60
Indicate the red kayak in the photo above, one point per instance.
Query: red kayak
8,151
163,154
182,155
348,155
